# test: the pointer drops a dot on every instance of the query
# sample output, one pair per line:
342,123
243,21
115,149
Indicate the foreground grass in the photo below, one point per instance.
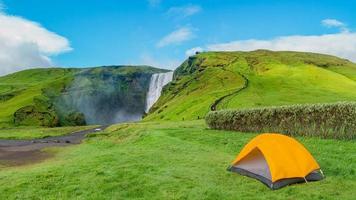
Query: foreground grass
39,132
170,160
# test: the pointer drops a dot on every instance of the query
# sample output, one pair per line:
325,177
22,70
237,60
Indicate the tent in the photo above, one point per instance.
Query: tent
276,160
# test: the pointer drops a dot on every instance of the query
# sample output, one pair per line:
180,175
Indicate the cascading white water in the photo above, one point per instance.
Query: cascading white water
157,82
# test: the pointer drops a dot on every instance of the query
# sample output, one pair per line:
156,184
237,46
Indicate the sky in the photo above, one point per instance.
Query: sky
163,33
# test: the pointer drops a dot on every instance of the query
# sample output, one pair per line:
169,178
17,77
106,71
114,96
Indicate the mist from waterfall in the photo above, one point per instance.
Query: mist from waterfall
105,95
157,82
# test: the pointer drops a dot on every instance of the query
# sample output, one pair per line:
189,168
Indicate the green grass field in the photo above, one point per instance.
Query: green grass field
38,132
170,160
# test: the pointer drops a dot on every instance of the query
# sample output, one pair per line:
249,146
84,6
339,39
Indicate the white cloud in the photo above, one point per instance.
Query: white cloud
184,11
176,37
25,44
339,44
192,51
332,23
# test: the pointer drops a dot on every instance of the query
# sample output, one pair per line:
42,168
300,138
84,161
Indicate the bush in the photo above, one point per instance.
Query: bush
332,120
74,119
33,116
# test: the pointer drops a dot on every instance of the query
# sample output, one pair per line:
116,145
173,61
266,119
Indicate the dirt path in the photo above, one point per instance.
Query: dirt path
213,107
21,152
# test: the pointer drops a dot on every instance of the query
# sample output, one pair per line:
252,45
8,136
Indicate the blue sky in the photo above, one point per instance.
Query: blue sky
160,32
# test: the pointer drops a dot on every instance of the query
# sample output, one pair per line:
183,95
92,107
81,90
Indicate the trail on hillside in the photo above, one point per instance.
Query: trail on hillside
213,107
21,152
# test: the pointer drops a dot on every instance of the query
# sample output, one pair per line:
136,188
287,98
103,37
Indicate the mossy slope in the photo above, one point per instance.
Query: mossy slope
48,97
25,91
253,79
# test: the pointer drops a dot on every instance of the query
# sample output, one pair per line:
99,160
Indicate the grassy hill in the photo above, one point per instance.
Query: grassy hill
59,96
218,80
21,89
253,79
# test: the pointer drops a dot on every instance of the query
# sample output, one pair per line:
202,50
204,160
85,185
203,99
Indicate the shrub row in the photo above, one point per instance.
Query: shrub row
331,120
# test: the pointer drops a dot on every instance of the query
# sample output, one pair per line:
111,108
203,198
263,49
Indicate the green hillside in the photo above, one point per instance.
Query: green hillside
253,79
25,88
59,96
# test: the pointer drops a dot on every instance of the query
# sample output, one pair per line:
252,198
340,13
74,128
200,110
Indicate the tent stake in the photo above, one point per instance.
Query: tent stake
321,171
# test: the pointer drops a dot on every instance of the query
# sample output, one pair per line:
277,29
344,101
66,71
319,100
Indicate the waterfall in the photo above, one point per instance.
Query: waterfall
157,82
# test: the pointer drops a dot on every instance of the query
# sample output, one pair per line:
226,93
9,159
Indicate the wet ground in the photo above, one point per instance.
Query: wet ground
22,152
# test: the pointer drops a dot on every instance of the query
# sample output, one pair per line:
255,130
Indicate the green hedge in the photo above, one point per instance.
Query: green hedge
332,120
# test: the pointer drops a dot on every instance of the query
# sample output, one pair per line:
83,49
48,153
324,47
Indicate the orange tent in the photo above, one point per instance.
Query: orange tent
276,160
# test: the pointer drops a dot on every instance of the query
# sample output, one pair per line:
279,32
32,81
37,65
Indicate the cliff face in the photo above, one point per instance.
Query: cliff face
60,97
107,95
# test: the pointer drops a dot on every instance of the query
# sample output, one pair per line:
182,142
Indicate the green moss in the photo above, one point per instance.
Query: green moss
34,116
